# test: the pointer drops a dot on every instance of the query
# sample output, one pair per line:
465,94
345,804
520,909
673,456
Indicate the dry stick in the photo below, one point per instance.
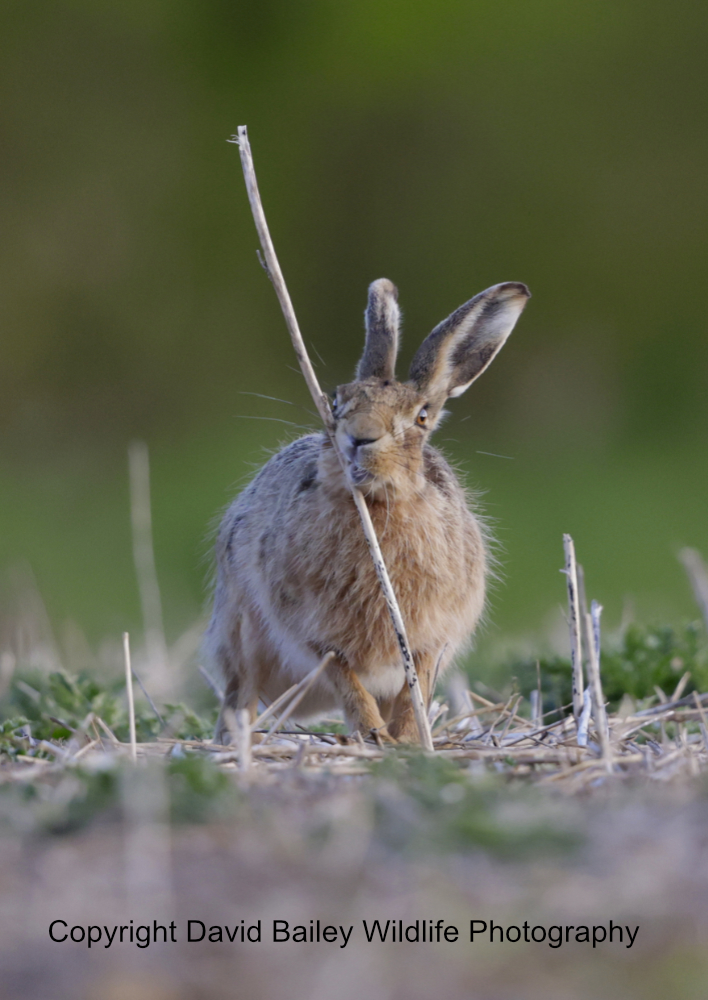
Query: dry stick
512,713
97,734
585,638
129,689
434,681
595,613
603,731
304,688
144,559
84,750
704,724
150,702
665,706
535,702
8,662
584,718
469,714
576,652
698,575
489,735
538,713
323,408
109,733
495,706
681,686
282,699
243,738
50,747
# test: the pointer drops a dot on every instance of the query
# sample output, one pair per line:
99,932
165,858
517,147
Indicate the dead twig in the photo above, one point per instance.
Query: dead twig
304,688
322,403
292,692
576,650
584,719
697,573
129,690
598,698
144,559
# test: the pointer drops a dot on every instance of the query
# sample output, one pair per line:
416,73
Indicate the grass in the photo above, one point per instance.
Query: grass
501,821
634,663
63,762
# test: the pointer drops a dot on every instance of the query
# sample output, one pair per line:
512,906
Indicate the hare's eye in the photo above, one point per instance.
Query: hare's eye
422,418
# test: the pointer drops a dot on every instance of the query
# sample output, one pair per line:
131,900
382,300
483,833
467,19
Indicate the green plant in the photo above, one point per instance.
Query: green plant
57,704
634,663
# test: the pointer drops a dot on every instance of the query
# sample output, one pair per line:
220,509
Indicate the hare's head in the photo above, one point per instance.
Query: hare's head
381,424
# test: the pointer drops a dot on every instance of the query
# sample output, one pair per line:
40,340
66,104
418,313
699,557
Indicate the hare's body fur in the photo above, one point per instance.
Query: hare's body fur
295,580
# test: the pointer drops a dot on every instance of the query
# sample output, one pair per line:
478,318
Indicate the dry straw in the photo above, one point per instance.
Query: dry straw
145,570
576,651
275,274
129,691
507,743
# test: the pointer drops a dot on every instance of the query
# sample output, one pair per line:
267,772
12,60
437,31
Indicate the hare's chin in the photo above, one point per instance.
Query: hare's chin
359,476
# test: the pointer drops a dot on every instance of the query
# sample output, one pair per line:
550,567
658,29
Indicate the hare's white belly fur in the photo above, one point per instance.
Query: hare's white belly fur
295,578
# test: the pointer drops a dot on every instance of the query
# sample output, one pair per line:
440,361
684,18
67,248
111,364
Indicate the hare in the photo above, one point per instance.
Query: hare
294,576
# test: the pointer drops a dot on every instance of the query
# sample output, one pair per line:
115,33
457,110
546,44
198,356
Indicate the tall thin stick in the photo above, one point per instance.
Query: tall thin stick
697,573
585,718
323,408
144,559
598,698
149,700
305,687
291,693
576,652
129,689
243,738
583,605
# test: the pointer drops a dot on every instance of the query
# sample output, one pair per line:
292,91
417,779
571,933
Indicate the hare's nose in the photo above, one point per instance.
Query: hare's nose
360,442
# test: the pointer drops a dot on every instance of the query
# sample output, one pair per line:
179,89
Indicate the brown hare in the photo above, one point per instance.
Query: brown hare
294,575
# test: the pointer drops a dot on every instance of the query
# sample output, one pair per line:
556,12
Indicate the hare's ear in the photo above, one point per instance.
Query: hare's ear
463,345
382,320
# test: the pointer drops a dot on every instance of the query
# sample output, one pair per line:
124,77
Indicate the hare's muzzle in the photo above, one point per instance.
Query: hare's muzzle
356,442
356,451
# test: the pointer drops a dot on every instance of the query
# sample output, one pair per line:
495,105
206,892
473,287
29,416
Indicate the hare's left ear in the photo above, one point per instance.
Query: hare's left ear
463,345
382,321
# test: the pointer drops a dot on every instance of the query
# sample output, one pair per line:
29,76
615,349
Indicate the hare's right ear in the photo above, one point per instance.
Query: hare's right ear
463,345
382,321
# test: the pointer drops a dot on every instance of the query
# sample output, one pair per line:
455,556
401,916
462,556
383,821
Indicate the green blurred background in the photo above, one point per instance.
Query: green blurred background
447,145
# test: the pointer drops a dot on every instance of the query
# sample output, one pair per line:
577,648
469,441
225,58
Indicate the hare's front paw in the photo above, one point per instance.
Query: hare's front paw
405,730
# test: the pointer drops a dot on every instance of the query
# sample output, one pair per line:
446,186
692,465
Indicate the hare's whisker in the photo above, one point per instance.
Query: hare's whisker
314,348
278,420
260,395
388,511
277,399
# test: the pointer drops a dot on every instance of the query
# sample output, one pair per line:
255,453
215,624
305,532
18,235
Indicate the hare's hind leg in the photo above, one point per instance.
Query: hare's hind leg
403,726
236,696
241,676
360,708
